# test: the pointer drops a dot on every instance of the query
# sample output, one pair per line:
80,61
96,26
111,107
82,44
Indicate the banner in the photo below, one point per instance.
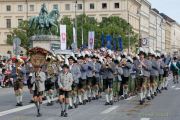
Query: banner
91,40
115,42
63,37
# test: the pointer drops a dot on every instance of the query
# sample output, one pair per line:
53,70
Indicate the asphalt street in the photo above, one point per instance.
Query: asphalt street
165,106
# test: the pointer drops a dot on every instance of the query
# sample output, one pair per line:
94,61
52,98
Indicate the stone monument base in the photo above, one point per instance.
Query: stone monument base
48,42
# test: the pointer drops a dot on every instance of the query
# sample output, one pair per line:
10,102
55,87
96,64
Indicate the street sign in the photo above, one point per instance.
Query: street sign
16,46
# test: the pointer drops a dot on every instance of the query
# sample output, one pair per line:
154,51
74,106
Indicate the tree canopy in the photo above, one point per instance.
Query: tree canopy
113,26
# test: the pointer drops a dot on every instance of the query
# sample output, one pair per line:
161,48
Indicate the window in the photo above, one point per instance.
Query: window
19,21
104,5
67,7
91,6
8,23
55,6
79,6
8,8
116,5
20,8
31,7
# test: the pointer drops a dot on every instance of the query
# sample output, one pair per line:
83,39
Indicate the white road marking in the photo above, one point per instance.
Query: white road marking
177,88
173,86
20,108
145,119
130,98
109,109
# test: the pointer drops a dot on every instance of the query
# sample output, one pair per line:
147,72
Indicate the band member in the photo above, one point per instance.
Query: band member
50,81
38,80
143,73
82,93
107,72
18,88
174,68
166,61
89,75
161,72
126,66
18,84
96,78
75,71
65,81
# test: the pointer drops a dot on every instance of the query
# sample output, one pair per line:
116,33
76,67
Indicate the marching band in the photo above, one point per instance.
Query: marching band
80,78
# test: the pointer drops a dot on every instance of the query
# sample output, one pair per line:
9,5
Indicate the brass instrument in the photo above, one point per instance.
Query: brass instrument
123,62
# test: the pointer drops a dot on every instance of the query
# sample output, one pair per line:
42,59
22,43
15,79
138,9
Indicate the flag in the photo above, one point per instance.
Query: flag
120,43
63,37
102,39
91,40
109,40
114,44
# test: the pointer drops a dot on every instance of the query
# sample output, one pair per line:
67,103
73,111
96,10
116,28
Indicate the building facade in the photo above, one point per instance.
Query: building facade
12,12
144,19
175,37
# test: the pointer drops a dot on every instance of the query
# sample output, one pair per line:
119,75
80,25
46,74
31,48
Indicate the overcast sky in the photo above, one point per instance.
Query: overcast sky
169,7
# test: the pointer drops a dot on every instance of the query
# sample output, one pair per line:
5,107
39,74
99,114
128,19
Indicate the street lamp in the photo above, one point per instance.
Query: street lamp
75,24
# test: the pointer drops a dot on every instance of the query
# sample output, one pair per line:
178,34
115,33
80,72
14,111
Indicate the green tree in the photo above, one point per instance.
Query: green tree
23,32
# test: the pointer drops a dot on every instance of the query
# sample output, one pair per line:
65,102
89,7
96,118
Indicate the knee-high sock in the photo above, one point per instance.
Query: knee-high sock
62,106
85,95
52,97
89,93
70,101
66,107
148,92
151,90
48,99
141,95
80,98
94,93
17,99
20,98
166,81
97,91
75,99
107,97
38,107
111,96
144,93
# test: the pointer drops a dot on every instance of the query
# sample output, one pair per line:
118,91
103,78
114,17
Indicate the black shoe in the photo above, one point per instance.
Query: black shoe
89,99
97,97
141,102
93,98
144,100
17,104
148,98
75,106
80,103
165,88
20,104
152,96
155,93
107,103
111,103
70,107
52,103
44,98
62,113
31,101
65,114
48,104
84,102
125,96
39,115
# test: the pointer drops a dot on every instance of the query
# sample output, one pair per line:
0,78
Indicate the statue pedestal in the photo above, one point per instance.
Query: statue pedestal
48,42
